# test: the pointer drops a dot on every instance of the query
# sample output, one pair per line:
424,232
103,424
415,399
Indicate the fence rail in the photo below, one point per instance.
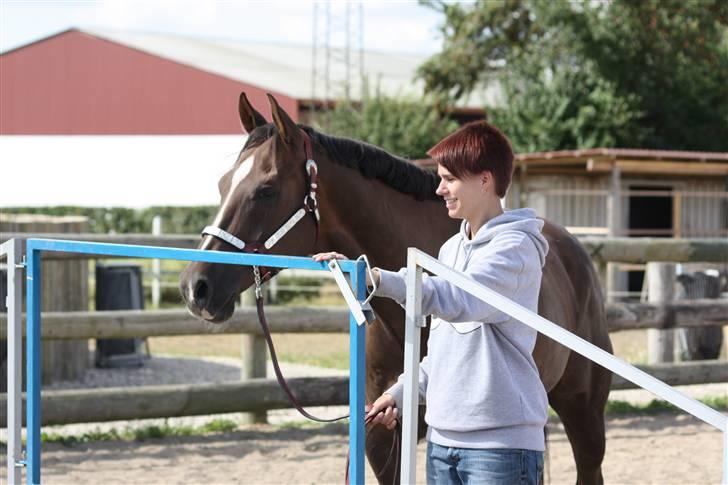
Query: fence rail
603,250
255,395
328,319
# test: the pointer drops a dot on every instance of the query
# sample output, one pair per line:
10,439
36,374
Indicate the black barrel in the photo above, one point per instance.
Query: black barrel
119,287
700,343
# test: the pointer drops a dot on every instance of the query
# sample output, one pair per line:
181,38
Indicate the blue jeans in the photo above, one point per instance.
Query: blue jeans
490,466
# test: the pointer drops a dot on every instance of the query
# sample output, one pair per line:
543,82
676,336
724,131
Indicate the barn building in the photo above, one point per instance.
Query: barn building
155,113
626,193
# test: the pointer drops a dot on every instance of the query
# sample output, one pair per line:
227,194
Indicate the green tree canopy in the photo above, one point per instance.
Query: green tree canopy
628,73
404,126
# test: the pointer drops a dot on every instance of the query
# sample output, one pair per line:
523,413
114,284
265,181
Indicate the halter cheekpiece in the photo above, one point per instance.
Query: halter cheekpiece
310,205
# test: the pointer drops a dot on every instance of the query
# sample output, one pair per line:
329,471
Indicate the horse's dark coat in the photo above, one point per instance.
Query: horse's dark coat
375,203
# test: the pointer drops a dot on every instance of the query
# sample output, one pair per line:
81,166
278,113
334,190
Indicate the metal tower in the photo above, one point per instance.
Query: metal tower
338,51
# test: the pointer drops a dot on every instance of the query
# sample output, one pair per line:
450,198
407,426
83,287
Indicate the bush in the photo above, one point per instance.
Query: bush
104,220
404,126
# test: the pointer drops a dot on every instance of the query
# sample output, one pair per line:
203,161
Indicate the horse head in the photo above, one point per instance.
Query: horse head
269,183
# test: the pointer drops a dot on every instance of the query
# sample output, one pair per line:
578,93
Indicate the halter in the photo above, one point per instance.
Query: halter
310,205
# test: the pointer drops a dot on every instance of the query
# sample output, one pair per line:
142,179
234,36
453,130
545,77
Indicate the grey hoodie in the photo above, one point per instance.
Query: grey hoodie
479,379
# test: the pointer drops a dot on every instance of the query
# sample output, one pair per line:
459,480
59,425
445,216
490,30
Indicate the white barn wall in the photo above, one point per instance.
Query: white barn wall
120,171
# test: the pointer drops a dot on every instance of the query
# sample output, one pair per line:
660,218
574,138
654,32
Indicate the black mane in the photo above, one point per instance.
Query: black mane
371,161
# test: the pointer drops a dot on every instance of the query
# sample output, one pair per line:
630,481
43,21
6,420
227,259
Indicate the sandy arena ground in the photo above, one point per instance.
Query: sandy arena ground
661,450
664,449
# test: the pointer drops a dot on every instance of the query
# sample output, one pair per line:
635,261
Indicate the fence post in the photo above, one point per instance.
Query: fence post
156,266
660,289
13,300
253,354
614,226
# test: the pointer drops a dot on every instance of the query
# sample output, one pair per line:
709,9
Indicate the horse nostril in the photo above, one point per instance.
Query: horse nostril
201,292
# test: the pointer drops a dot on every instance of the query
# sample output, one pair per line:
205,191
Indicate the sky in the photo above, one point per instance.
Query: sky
387,25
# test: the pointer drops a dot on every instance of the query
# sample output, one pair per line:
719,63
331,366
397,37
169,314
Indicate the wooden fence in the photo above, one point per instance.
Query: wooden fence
255,395
72,406
327,319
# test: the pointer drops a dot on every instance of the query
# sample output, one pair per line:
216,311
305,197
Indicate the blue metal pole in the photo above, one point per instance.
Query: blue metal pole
357,374
154,252
33,362
357,341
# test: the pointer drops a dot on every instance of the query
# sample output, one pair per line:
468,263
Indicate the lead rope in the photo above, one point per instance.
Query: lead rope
287,390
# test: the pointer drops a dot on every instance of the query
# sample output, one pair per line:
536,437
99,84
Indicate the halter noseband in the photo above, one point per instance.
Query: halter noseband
310,205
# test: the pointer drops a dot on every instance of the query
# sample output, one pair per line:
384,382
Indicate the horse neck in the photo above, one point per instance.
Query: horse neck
366,216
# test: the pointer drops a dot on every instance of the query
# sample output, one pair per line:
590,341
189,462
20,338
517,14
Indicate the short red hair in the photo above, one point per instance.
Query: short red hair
475,148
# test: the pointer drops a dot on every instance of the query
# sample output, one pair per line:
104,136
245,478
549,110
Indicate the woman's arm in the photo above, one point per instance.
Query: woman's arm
500,270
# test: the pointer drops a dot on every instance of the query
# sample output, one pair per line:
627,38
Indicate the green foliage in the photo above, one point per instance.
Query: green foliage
566,109
104,220
658,406
404,126
165,430
627,73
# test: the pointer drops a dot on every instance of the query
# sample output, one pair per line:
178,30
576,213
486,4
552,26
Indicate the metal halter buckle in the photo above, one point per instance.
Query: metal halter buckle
258,290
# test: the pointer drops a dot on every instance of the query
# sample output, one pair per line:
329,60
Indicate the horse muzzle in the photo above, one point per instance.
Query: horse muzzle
202,299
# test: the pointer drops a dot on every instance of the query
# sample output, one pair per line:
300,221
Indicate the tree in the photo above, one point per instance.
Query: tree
629,73
404,126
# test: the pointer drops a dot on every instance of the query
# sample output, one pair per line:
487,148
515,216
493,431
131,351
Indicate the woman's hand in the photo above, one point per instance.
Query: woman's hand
384,411
328,256
334,255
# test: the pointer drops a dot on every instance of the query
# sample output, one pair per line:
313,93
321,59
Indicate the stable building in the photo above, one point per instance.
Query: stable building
626,193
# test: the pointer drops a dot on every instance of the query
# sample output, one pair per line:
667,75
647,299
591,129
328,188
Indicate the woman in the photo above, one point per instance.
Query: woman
486,405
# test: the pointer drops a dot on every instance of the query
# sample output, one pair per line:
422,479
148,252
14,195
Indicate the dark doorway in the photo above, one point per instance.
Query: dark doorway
649,216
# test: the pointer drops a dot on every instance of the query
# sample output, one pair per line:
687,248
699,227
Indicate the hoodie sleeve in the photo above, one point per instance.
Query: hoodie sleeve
397,389
499,266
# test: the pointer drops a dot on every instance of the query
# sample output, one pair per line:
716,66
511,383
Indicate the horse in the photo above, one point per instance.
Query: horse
368,201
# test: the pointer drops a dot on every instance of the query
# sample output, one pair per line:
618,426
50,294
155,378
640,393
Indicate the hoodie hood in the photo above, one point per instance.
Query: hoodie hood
523,220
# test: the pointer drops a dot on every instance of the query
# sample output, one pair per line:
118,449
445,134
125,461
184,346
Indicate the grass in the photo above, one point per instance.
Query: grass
615,408
658,406
141,434
317,349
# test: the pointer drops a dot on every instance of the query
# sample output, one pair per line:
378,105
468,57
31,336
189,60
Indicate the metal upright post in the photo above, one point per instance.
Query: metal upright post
14,304
357,373
413,324
725,454
33,363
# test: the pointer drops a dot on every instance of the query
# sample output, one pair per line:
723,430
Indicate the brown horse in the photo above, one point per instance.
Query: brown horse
377,204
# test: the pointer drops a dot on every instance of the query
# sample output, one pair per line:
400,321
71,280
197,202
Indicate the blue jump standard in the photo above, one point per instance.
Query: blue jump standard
34,247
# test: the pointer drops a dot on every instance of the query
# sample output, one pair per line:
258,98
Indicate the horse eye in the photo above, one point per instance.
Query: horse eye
265,192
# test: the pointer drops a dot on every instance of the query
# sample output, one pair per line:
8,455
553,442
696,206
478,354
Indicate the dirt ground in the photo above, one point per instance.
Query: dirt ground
662,449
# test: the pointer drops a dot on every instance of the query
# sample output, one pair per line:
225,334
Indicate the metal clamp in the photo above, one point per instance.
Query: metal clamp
363,313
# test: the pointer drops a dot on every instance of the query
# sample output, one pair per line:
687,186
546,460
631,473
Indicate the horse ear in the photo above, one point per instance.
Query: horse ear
249,117
287,129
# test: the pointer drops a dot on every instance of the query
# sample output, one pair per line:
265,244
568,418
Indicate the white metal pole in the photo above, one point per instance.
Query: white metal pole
156,267
725,454
13,302
569,340
413,324
575,343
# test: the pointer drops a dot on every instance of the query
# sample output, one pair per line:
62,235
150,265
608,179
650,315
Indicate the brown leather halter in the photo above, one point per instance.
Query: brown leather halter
262,274
310,206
